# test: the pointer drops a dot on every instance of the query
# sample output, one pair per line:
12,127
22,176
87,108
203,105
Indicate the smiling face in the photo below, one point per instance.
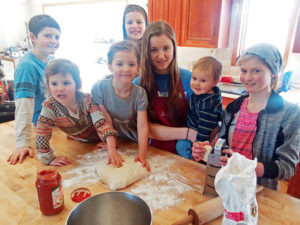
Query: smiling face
202,81
47,41
124,66
135,25
161,53
255,75
63,88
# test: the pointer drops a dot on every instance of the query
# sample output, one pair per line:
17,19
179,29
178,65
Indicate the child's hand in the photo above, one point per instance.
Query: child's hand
224,159
60,161
143,161
198,150
114,158
19,155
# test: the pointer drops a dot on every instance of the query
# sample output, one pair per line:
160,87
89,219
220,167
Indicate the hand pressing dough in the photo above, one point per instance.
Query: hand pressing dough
208,149
117,178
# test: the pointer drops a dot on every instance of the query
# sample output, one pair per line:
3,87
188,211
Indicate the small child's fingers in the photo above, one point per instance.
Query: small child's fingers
200,150
223,160
31,153
118,162
228,151
10,158
15,158
147,166
205,143
21,157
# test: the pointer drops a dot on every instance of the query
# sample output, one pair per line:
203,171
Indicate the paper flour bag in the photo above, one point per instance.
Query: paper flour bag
236,185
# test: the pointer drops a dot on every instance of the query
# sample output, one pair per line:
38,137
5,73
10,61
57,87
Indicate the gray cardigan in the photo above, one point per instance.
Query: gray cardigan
277,140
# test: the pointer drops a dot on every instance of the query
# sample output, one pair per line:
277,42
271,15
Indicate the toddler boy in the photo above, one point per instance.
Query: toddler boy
205,104
30,82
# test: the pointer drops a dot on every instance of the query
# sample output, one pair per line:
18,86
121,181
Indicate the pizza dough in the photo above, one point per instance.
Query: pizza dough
117,178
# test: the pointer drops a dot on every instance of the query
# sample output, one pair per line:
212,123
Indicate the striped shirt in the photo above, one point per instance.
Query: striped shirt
205,111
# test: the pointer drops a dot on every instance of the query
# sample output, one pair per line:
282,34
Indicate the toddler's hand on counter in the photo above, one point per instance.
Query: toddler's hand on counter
60,161
198,150
19,155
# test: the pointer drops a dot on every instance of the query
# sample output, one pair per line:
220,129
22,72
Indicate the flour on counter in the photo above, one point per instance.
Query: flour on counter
162,189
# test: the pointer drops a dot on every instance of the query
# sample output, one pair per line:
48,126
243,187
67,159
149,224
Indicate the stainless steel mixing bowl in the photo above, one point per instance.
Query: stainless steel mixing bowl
111,208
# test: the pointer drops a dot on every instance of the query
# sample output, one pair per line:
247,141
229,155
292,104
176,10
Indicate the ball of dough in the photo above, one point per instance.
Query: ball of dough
116,178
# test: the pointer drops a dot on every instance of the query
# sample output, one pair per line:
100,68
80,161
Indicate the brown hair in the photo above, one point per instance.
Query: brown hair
125,45
209,62
159,28
39,22
244,58
63,66
133,8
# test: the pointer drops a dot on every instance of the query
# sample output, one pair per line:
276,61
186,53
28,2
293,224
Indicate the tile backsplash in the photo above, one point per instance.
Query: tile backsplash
187,56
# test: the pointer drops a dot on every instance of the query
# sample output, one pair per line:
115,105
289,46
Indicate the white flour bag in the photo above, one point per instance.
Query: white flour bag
236,185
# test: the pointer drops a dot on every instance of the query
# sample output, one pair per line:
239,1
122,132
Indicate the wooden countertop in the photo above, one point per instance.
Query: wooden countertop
19,204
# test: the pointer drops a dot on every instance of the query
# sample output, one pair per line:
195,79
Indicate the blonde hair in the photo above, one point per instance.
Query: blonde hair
209,62
147,81
244,58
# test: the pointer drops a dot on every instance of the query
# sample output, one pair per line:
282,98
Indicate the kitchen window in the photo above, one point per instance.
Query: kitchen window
270,21
86,34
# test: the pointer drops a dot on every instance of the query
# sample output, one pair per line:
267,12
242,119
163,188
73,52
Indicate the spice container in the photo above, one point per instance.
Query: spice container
49,191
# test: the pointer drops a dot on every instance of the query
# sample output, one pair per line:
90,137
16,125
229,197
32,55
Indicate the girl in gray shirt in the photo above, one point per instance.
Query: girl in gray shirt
124,103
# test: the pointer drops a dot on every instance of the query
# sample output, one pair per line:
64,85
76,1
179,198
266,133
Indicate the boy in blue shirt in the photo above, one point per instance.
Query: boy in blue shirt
30,82
205,104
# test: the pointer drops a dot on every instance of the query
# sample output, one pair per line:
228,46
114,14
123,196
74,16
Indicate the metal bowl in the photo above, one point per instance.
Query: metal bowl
111,208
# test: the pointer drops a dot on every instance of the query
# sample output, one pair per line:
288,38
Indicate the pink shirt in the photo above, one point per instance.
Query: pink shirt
244,131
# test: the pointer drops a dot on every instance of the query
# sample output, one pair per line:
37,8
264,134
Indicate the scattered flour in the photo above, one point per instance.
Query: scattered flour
162,189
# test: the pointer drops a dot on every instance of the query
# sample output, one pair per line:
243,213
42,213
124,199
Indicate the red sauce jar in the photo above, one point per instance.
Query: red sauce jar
49,191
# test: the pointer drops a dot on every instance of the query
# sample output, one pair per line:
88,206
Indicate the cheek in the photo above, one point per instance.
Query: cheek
263,79
152,57
242,78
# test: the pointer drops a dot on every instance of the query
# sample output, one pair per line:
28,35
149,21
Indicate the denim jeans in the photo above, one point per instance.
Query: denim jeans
184,148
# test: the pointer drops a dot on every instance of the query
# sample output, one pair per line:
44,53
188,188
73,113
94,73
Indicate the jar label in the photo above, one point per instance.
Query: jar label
57,196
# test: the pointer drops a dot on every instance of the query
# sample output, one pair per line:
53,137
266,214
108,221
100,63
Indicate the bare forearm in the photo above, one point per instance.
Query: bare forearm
143,134
164,133
111,144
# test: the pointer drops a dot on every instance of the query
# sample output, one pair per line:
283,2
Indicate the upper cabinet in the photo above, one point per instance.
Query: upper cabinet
197,23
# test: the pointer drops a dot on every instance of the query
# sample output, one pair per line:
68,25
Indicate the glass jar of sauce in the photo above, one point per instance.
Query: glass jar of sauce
49,191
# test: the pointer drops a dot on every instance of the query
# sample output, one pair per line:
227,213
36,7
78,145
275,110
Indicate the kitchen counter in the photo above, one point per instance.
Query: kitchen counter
19,204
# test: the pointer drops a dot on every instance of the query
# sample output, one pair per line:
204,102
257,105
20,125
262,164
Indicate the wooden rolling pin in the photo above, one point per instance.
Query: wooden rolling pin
205,212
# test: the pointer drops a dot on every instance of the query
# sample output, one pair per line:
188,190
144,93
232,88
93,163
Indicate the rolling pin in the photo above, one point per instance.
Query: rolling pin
205,212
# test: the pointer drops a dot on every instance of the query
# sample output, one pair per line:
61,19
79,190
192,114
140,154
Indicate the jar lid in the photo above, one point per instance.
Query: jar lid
80,194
